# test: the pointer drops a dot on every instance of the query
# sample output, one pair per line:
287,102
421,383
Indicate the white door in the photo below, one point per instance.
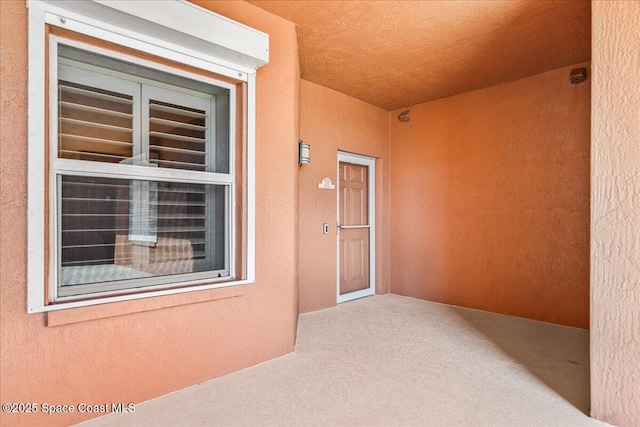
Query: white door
356,227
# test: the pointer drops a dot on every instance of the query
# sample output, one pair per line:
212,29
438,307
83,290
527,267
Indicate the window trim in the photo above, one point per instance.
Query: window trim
172,47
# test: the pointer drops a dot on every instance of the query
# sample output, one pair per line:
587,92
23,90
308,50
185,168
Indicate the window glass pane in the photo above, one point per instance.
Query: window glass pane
222,133
110,110
114,230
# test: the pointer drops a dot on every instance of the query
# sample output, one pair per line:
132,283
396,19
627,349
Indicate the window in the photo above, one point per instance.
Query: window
147,180
116,233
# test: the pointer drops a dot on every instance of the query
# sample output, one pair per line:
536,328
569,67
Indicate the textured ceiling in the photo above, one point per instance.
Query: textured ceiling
400,53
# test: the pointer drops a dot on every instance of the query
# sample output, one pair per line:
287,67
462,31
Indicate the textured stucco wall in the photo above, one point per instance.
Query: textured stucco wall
490,199
615,213
166,343
331,121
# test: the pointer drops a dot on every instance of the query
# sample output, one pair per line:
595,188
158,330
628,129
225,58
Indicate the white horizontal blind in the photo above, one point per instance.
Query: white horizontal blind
179,127
95,116
177,136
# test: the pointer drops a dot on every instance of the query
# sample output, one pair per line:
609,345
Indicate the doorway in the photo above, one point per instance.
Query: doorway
356,227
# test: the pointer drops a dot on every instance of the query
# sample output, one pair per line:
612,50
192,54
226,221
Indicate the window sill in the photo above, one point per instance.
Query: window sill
103,311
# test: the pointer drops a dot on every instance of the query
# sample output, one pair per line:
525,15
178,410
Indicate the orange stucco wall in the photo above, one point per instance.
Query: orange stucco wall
490,200
331,121
171,342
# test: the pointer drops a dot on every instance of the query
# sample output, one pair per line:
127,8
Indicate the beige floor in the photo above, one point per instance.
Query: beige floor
390,360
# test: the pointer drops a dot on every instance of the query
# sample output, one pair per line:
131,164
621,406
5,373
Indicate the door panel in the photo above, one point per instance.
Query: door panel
353,194
354,253
354,260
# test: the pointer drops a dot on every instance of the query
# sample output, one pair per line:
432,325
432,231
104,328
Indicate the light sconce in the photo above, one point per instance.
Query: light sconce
404,116
304,151
578,75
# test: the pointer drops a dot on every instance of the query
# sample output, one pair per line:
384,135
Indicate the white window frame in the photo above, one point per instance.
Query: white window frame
129,28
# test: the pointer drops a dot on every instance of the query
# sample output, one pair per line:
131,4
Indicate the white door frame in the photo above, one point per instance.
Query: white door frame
370,162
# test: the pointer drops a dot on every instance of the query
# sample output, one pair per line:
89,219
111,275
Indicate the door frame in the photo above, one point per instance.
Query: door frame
370,162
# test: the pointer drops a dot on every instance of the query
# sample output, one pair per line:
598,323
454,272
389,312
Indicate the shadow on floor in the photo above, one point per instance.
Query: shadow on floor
556,355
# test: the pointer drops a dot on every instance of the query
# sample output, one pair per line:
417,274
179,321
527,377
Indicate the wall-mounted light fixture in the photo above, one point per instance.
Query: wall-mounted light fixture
304,152
404,116
578,75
